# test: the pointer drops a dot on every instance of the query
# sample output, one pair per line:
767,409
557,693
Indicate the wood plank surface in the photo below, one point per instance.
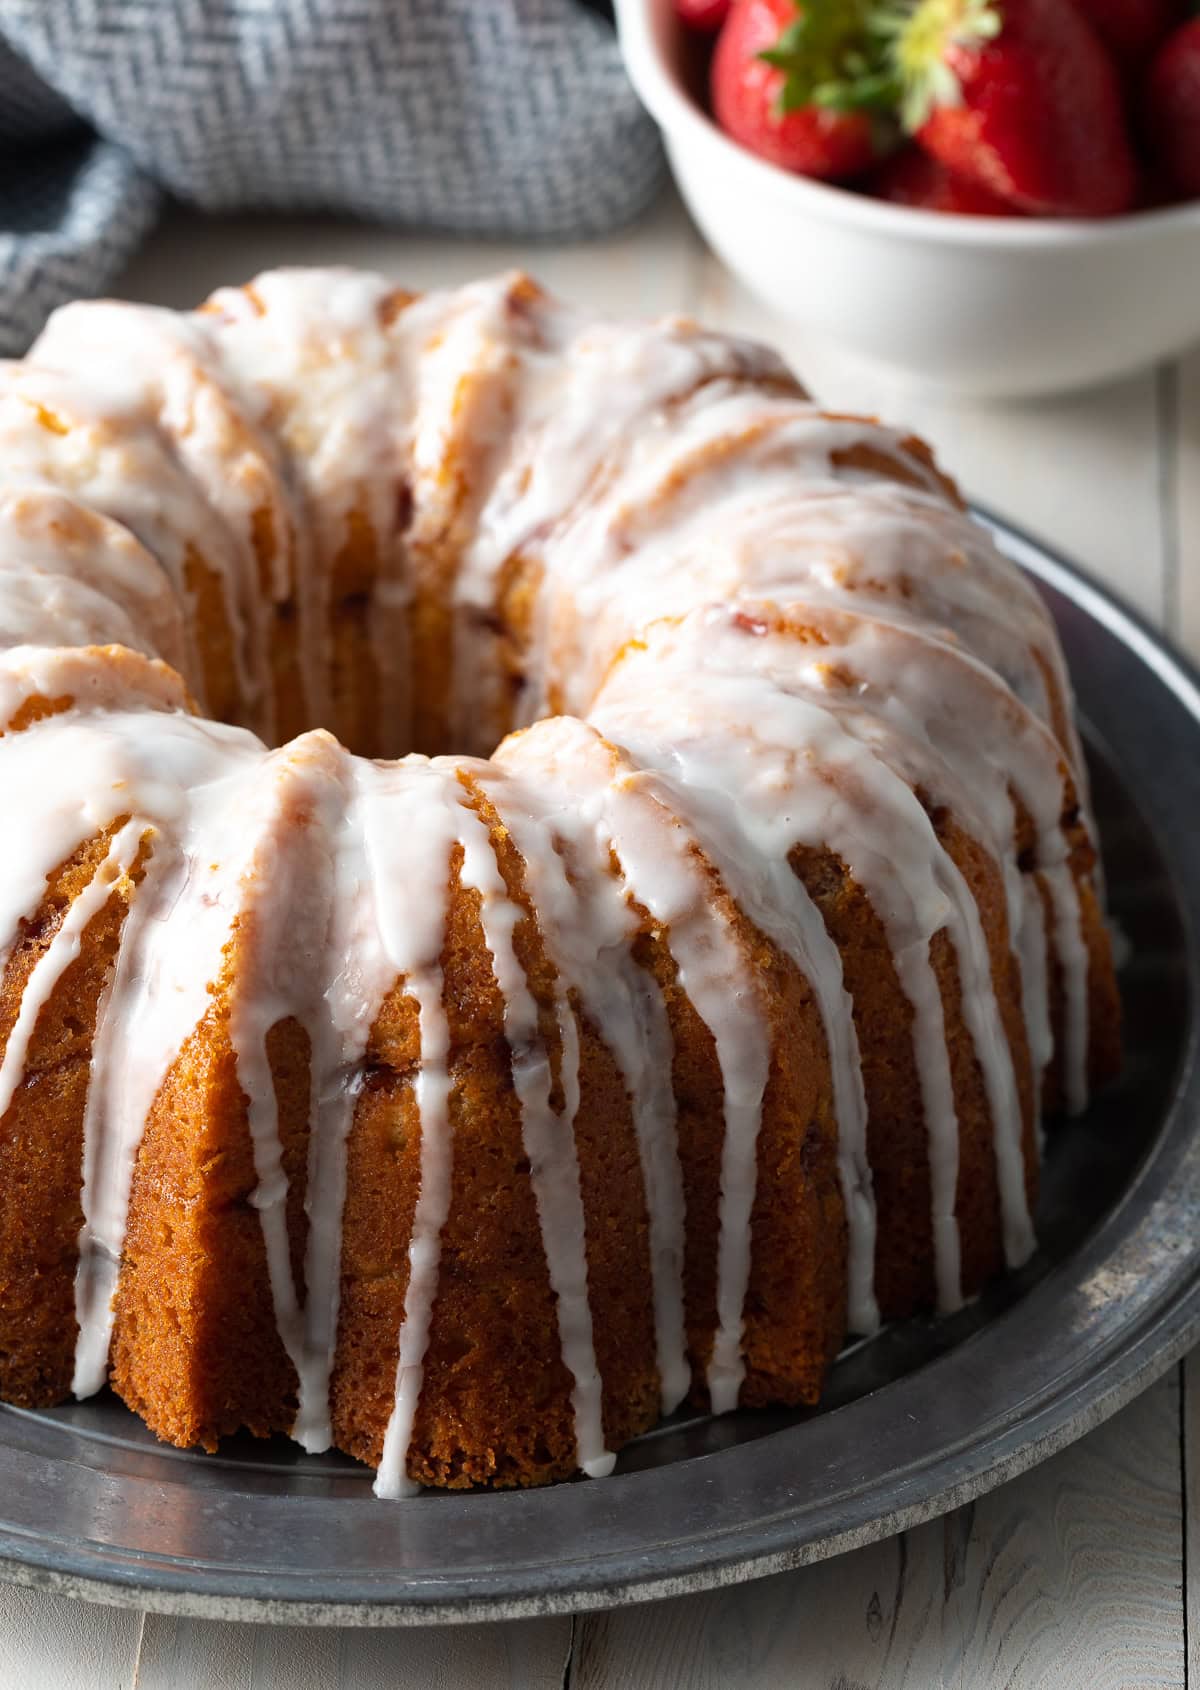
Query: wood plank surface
53,1643
215,1655
1072,1575
1069,1578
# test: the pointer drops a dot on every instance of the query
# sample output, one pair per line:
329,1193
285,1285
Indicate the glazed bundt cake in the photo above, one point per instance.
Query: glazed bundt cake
468,1101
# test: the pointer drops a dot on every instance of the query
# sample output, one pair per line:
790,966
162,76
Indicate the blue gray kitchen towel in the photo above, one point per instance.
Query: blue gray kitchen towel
479,117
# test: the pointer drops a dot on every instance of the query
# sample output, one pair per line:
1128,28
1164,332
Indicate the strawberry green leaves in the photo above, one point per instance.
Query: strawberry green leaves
832,55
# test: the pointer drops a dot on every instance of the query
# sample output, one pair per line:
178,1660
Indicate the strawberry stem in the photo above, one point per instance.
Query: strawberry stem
916,37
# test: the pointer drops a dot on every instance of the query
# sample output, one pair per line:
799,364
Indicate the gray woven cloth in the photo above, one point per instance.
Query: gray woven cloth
481,117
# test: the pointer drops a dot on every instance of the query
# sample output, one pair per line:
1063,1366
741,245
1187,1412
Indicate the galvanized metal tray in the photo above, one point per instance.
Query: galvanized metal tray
916,1421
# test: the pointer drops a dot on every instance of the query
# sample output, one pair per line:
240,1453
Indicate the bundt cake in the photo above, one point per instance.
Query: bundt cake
467,1101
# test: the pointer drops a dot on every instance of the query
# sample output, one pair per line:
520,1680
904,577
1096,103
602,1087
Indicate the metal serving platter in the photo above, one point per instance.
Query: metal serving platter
917,1421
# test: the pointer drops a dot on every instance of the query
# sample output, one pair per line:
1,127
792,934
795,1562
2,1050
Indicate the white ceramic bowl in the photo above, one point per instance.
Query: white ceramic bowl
971,305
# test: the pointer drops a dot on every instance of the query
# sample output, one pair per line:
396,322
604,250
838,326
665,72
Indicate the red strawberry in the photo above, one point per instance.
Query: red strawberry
1172,107
1154,190
1130,29
1019,96
704,15
915,178
778,76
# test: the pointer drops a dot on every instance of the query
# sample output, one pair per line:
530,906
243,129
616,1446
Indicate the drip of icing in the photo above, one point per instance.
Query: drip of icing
991,746
578,393
658,863
412,926
197,788
919,985
587,928
61,952
424,1250
664,875
411,935
1073,961
981,1011
391,873
110,452
792,762
290,946
412,929
791,524
549,1141
654,1117
800,933
44,609
989,743
43,532
1031,952
163,366
321,367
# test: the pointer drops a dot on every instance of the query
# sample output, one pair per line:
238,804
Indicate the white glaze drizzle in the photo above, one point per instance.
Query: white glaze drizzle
549,1141
61,952
1035,998
161,365
413,925
290,948
195,785
666,877
108,451
797,763
587,925
115,583
646,472
424,1250
323,373
1073,962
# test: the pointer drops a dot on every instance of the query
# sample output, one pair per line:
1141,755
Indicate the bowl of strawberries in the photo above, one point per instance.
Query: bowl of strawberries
992,197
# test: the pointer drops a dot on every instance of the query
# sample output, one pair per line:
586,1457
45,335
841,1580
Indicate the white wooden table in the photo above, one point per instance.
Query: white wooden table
1086,1571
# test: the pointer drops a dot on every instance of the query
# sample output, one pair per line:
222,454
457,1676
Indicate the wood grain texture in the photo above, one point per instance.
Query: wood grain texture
1067,1579
1072,1575
867,1621
52,1643
215,1655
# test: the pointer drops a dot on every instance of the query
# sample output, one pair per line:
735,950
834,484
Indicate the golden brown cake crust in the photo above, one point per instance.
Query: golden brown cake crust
419,523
